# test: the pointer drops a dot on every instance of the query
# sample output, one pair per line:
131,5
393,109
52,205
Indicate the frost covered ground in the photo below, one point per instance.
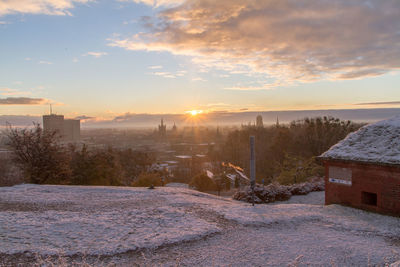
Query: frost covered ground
178,226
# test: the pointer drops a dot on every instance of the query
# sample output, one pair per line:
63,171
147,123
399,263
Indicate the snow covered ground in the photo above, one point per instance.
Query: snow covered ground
170,226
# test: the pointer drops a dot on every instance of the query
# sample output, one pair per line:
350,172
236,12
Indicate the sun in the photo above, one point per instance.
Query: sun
195,116
194,113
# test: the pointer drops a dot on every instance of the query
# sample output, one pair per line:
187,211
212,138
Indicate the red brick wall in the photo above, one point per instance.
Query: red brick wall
382,180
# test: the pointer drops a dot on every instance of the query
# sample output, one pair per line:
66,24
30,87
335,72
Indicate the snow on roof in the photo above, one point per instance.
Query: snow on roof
231,176
171,161
183,157
374,143
242,175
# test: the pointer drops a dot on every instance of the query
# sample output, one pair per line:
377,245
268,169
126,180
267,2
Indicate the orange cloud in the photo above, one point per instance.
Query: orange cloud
156,3
290,41
96,54
12,92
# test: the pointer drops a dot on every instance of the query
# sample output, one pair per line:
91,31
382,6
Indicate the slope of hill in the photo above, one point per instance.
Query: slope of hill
169,226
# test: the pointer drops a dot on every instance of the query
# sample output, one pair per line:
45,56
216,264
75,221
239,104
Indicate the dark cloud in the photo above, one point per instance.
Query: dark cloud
19,120
84,117
23,101
379,103
144,118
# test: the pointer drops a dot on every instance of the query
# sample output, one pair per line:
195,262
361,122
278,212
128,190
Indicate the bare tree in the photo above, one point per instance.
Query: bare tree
9,173
41,157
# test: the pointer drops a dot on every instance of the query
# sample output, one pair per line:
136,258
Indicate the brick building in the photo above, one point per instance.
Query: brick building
363,170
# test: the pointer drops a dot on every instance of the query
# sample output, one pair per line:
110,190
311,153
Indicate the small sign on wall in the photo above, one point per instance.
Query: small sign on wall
339,175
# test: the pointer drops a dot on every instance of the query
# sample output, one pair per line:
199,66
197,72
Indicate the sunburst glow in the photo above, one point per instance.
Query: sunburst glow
194,113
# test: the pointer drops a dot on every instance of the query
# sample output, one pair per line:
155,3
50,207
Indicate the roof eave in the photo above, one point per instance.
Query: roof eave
321,160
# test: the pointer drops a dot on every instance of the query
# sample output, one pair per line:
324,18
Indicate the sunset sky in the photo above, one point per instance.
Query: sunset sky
106,58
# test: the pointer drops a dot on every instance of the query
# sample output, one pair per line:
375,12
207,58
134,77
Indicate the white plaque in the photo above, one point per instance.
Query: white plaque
339,175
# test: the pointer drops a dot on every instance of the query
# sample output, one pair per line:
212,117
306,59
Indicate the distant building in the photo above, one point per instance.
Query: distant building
174,128
162,129
363,170
259,121
53,122
72,129
68,129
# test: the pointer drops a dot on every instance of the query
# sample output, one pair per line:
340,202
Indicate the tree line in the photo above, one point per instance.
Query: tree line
44,160
285,153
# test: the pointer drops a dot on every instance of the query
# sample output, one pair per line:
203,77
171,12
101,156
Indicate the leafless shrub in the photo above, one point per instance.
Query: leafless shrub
37,152
10,174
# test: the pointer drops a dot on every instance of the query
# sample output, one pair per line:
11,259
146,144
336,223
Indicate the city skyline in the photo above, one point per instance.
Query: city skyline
214,119
105,59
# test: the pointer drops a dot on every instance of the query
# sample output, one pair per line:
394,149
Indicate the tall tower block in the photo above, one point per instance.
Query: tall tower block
54,122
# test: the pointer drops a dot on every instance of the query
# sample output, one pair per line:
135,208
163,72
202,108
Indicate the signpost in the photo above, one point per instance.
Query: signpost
252,167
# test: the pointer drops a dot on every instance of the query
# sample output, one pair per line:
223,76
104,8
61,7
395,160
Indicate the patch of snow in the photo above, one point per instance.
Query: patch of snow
377,142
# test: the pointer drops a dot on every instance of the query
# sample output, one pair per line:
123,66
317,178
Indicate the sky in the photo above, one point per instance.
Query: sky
107,59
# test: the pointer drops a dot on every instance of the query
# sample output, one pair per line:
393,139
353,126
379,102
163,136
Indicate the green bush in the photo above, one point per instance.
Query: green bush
203,183
148,179
222,182
296,170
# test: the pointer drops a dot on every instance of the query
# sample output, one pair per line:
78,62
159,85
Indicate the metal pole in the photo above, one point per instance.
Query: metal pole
252,167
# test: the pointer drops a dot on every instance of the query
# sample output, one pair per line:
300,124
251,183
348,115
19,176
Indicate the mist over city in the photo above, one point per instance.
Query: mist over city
199,133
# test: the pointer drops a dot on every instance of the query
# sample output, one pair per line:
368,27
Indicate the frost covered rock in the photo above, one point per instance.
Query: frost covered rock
276,192
267,194
281,193
300,189
317,184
